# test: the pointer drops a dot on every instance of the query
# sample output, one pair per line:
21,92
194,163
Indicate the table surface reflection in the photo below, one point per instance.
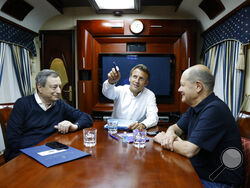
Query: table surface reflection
112,164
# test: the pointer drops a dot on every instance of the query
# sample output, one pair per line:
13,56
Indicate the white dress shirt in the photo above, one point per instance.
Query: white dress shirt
41,104
141,108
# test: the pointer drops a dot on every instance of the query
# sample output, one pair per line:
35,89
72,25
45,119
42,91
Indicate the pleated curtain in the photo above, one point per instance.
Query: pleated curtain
222,59
21,63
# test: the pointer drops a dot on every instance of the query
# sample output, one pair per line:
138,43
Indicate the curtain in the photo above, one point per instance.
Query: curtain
222,60
2,52
9,90
21,63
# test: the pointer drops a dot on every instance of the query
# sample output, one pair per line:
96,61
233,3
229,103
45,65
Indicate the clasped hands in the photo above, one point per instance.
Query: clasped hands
166,139
65,127
137,125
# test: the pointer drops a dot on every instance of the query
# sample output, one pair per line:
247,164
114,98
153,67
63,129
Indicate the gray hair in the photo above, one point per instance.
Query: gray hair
41,77
142,68
203,75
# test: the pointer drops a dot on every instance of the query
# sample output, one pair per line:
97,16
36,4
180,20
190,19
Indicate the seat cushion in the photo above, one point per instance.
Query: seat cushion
246,150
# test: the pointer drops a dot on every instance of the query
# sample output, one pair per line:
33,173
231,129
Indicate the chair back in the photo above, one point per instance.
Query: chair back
243,121
4,117
246,154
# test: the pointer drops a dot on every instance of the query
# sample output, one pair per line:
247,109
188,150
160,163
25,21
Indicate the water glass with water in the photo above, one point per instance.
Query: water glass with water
112,126
89,137
139,138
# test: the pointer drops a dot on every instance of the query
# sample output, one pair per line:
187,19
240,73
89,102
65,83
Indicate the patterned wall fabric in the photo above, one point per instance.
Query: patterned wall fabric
236,27
17,36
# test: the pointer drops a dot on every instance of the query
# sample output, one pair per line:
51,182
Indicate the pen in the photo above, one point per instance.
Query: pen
114,65
113,136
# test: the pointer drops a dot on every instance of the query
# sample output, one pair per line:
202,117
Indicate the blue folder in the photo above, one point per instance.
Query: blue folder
50,157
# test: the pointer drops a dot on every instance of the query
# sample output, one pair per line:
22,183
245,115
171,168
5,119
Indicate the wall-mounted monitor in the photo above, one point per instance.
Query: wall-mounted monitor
161,67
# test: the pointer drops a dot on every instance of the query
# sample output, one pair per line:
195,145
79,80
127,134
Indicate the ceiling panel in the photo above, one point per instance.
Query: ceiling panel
85,3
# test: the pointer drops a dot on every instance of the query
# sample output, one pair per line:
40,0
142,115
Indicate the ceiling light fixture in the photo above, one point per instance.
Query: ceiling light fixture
115,6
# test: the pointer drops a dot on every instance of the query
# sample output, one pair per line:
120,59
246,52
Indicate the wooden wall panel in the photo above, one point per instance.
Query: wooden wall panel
180,52
113,48
165,48
155,39
85,94
80,45
87,62
84,55
95,75
161,36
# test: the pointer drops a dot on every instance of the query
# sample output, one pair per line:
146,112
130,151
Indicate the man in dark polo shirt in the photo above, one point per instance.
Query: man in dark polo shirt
212,134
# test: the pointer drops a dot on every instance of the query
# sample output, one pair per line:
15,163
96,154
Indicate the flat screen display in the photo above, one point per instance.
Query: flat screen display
161,69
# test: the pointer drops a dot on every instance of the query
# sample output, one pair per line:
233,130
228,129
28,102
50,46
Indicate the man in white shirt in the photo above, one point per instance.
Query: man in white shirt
134,101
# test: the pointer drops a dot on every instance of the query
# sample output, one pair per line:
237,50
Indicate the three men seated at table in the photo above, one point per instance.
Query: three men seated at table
212,133
209,125
134,101
38,116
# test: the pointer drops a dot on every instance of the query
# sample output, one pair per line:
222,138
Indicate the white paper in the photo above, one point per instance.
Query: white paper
50,152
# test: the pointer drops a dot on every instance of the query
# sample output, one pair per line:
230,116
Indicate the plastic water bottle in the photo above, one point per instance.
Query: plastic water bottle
125,137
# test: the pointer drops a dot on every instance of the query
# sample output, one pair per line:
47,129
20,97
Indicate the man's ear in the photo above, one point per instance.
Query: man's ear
38,87
199,86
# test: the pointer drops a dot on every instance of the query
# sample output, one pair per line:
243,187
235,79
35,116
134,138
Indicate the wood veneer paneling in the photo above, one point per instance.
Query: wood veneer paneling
161,36
113,48
85,94
84,57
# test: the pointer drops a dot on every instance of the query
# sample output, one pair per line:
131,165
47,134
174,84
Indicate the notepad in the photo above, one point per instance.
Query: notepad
123,124
50,157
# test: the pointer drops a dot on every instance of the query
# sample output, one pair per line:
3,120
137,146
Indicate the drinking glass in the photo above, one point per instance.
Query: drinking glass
112,126
139,138
89,137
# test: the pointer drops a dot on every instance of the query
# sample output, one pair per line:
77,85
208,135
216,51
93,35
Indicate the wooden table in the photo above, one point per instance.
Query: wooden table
111,164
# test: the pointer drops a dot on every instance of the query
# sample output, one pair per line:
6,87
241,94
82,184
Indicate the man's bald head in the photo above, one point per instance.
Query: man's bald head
200,73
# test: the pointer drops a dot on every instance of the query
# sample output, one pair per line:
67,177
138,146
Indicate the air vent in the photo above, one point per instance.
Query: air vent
212,8
136,47
16,8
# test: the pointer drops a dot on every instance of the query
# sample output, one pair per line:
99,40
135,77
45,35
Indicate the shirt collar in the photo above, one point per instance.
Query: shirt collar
40,103
138,93
203,103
